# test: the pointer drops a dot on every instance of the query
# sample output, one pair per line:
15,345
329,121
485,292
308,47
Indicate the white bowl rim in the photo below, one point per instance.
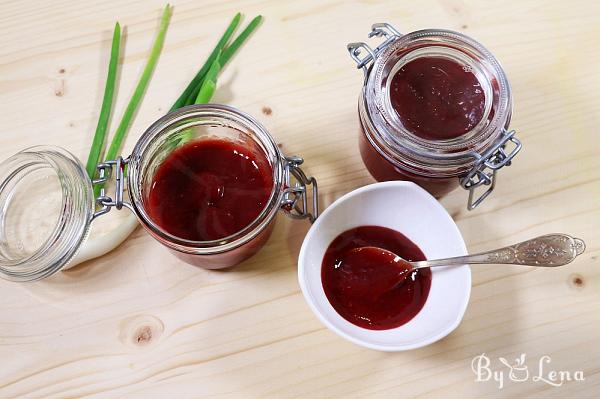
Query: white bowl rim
384,348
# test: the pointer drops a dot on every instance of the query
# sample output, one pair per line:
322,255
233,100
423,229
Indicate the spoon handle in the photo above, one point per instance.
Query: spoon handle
546,251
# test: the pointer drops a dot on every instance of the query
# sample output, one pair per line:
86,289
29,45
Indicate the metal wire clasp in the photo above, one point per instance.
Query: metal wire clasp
377,30
295,194
486,166
104,173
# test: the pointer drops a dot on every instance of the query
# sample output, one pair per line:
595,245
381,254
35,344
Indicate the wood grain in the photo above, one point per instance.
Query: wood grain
139,323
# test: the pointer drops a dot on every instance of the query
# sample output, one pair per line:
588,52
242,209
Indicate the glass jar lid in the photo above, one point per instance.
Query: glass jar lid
46,207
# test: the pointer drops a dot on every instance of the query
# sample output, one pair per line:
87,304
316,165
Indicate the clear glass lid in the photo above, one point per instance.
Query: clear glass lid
46,207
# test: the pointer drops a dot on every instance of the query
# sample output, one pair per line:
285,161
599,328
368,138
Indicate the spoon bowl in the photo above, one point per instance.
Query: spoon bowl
375,270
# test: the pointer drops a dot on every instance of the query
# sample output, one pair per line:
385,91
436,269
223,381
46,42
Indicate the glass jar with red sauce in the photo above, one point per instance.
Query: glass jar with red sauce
285,182
434,109
211,157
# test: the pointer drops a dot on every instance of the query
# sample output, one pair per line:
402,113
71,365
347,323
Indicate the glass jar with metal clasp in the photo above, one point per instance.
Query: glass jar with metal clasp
47,199
392,151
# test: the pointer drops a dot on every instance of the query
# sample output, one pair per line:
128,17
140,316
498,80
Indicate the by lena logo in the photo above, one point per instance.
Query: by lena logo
518,371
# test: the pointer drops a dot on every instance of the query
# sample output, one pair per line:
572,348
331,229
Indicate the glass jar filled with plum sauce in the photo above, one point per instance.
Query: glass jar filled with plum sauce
435,108
206,181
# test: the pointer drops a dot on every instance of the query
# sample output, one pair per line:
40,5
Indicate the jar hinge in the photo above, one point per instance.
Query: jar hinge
295,194
104,173
487,165
379,30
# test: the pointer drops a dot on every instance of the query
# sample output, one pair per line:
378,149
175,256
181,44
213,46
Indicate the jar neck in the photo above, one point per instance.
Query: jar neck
448,157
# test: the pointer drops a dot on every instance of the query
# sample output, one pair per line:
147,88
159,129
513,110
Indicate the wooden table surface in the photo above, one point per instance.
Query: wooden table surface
140,323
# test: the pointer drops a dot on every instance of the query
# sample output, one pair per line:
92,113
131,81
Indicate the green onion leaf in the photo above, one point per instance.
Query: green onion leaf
230,50
191,98
202,87
210,83
225,57
117,141
188,96
205,93
109,89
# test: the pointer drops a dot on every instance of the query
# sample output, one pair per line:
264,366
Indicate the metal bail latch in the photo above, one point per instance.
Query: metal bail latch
486,166
104,173
295,194
377,30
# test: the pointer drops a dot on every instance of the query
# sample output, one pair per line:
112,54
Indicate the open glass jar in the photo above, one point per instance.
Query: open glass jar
47,199
391,150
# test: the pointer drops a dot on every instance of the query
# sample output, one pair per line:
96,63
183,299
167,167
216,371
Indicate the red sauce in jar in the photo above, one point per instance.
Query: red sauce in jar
383,170
437,98
210,189
366,293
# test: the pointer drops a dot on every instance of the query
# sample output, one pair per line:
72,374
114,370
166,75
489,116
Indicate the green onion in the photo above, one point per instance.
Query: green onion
117,141
230,50
109,89
226,55
136,98
210,83
188,96
191,98
199,90
203,86
205,93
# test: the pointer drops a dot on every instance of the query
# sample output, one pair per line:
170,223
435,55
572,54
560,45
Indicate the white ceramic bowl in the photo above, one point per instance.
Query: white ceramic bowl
407,208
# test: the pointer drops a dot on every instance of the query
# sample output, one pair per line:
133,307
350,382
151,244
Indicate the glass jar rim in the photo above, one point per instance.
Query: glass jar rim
214,112
423,156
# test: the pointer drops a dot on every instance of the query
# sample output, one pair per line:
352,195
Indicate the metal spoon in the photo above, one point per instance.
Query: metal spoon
549,250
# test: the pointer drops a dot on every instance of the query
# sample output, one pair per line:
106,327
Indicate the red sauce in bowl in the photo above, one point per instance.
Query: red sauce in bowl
437,98
209,189
367,294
